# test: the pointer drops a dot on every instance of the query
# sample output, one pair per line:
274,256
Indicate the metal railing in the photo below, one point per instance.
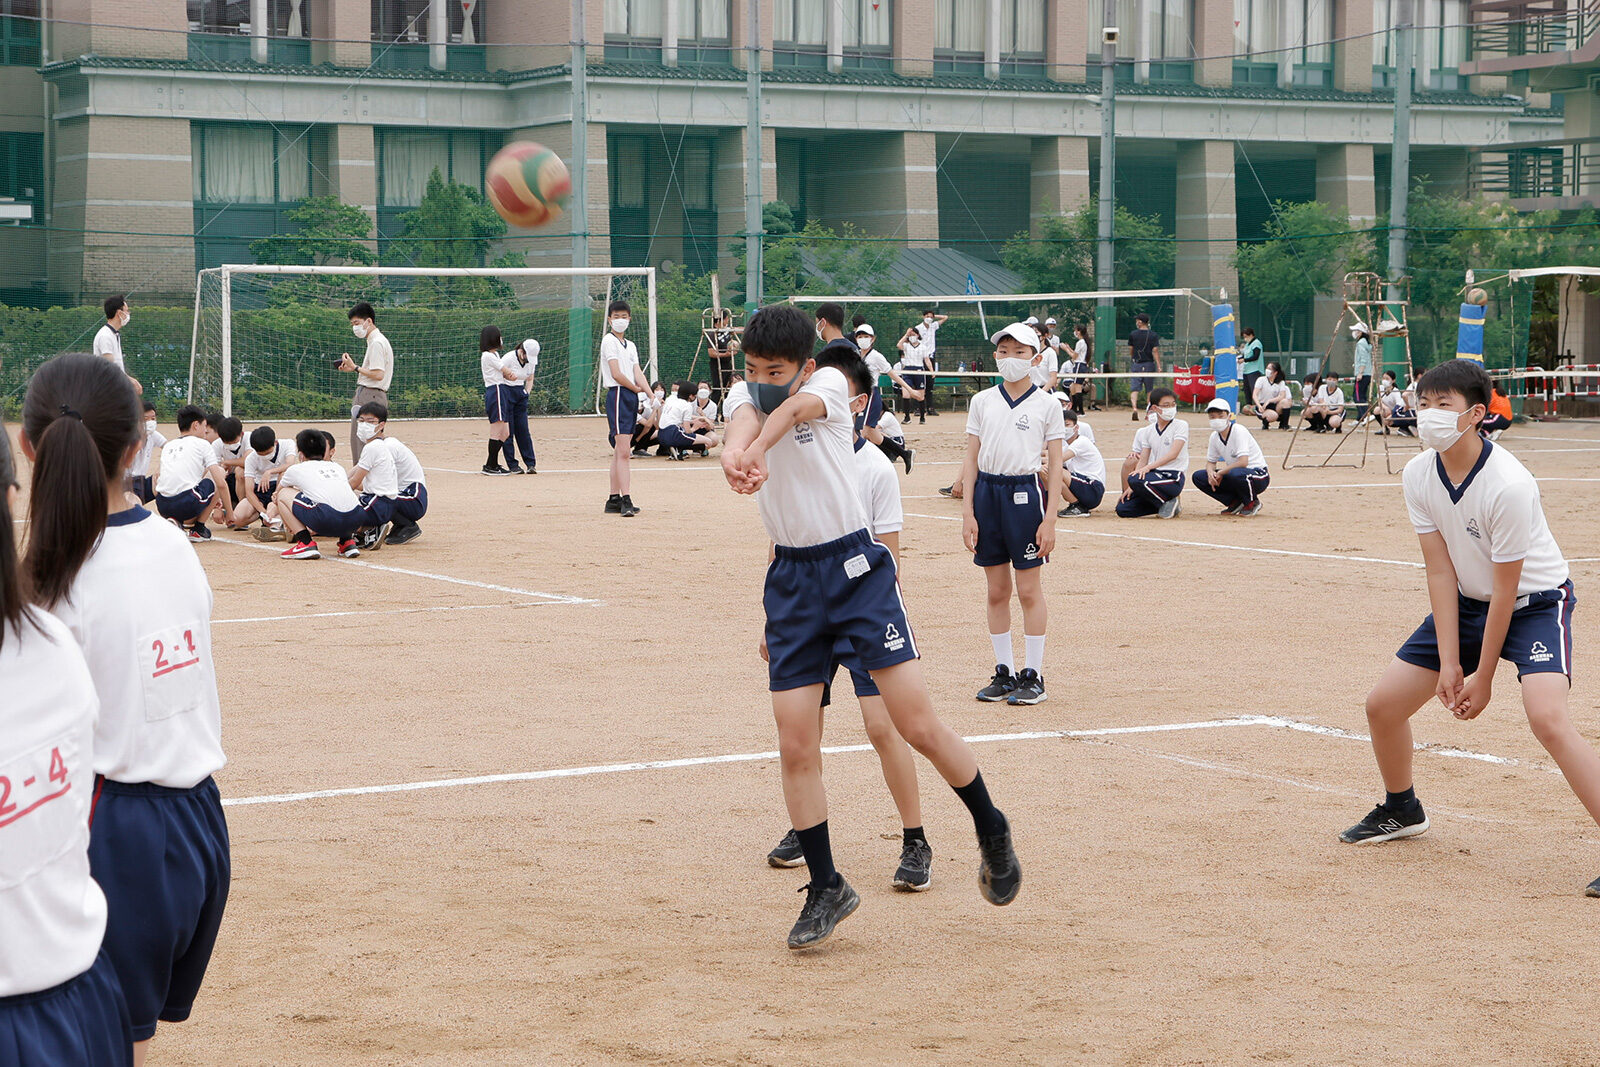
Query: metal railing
1537,27
1546,169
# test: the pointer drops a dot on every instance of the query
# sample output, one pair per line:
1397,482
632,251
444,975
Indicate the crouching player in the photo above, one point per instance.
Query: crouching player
1236,469
880,496
186,488
266,459
412,503
1152,475
789,442
314,498
1499,589
1086,467
374,476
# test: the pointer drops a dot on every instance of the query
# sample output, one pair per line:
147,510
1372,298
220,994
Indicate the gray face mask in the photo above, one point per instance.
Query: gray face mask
769,397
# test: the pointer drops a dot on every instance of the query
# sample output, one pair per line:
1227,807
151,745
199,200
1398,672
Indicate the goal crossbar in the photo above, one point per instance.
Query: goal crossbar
997,298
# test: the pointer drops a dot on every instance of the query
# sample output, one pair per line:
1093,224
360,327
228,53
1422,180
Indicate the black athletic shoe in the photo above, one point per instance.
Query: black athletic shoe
825,908
380,536
1030,688
1386,824
788,853
404,534
613,505
999,873
1594,889
1001,686
513,467
948,491
915,873
907,457
640,453
1071,510
494,469
629,508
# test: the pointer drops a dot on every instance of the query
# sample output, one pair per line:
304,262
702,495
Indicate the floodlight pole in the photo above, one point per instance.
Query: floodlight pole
1105,317
579,312
1400,161
753,271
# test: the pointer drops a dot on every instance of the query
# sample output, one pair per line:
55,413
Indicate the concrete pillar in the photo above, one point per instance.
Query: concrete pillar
739,30
1207,228
1212,30
1059,181
730,189
920,192
341,32
913,28
153,29
1345,180
991,41
1352,56
886,186
669,31
352,168
536,33
438,35
1066,41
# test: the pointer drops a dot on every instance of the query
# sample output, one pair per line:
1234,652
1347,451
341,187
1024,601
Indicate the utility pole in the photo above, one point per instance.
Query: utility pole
579,324
1400,161
1105,317
753,295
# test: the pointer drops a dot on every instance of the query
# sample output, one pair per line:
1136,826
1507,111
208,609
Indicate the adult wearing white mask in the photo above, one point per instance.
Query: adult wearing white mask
624,384
374,374
1236,470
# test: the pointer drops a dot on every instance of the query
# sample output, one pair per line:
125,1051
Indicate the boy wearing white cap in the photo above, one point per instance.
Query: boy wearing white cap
519,365
878,365
1236,470
1009,524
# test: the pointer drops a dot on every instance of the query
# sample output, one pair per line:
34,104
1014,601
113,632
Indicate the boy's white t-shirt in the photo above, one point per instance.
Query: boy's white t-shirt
407,468
323,482
1013,434
1330,398
141,463
141,611
1495,516
1083,458
889,426
626,353
1048,366
379,356
880,491
224,451
256,464
382,478
1240,442
810,496
184,461
877,364
108,345
1160,441
674,410
489,365
927,331
52,912
523,372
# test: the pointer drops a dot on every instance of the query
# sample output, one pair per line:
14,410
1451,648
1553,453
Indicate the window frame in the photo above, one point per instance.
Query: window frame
956,60
20,37
633,46
301,133
864,56
788,51
19,148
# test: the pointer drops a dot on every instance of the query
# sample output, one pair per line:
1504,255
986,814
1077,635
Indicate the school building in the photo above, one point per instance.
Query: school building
150,138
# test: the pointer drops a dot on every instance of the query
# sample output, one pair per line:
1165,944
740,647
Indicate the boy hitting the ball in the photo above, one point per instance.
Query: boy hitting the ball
1499,589
789,442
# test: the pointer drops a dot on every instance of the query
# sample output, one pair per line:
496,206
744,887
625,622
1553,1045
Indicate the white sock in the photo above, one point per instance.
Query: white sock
1033,651
1003,655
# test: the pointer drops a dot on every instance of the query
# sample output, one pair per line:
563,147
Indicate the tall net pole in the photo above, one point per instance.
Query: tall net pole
1105,316
753,294
1400,161
580,311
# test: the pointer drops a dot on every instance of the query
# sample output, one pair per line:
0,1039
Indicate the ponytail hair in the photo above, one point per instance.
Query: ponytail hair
81,417
13,605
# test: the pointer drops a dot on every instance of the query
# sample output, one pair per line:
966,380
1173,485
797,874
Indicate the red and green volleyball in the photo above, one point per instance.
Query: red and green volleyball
528,184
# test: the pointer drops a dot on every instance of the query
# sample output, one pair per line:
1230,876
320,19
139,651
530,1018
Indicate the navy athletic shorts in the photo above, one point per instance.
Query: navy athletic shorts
1538,640
324,519
186,506
622,413
1009,509
83,1022
412,503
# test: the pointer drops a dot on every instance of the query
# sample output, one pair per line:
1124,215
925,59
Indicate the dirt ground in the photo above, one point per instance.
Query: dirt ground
1185,899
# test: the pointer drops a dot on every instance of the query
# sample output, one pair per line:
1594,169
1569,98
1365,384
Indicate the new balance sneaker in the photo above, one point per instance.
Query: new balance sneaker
1001,686
405,534
301,550
1171,509
825,908
915,873
787,853
513,468
348,548
1247,510
1071,510
199,532
999,873
379,536
629,508
494,469
613,504
1387,824
1030,688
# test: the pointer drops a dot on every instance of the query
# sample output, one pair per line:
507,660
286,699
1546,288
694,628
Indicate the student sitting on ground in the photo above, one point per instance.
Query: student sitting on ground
1236,470
705,407
646,430
141,484
187,487
1308,403
1153,473
374,477
267,458
680,431
1499,418
1086,468
1272,398
314,497
229,447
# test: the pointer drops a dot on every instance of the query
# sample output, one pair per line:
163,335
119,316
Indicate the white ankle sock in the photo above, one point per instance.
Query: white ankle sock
1033,652
1003,654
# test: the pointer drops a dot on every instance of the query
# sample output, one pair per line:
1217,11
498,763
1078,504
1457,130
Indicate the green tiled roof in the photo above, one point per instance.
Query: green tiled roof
325,70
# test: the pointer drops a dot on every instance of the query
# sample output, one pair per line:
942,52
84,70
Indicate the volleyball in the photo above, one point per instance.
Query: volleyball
1477,296
528,184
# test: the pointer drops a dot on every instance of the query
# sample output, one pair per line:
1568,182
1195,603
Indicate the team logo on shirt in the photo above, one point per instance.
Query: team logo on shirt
1022,423
892,639
1539,653
803,434
1472,528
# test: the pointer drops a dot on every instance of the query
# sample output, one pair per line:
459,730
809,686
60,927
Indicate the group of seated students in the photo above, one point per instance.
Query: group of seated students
679,423
212,470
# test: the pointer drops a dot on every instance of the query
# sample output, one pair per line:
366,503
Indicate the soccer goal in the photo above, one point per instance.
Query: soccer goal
266,338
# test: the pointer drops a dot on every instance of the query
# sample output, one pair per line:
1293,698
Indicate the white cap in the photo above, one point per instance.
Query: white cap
1031,320
1220,404
1050,321
531,347
866,328
1021,331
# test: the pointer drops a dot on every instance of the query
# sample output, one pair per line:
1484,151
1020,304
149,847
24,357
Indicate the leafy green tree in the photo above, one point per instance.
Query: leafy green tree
454,226
328,232
816,260
1307,250
1063,257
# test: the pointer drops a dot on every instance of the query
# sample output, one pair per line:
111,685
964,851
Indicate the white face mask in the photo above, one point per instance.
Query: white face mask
1014,370
660,395
127,317
358,329
704,394
1387,387
864,343
1219,424
1438,428
927,320
619,325
149,425
365,430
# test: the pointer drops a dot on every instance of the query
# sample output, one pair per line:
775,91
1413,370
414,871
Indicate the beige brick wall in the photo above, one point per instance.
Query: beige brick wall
1213,36
730,189
1067,42
1207,228
21,100
740,31
529,34
1352,59
153,28
1059,182
341,32
913,37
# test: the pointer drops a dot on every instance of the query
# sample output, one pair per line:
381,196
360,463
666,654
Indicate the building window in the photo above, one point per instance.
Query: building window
1444,43
250,164
958,35
630,211
19,33
1022,37
800,33
403,21
1128,23
697,178
1255,41
704,34
1171,44
22,171
408,158
1311,30
220,31
868,34
794,166
633,29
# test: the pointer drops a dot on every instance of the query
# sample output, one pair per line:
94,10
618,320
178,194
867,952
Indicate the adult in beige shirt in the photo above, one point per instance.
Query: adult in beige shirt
375,372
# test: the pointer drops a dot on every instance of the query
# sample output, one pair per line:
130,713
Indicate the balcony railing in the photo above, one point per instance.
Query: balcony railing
1546,174
1508,29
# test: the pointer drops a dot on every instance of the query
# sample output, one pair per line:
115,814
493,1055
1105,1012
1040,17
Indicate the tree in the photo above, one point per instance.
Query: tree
1062,259
816,260
328,232
453,227
1306,252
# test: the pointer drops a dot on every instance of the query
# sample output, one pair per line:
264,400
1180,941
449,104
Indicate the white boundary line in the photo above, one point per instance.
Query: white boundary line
556,598
1079,531
393,611
1270,721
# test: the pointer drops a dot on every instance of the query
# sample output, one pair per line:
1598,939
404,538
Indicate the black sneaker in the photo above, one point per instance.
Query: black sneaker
494,469
948,490
640,453
1001,686
629,508
613,504
380,536
788,853
1387,824
915,873
999,873
1030,688
404,535
1071,510
513,467
825,908
907,457
1593,889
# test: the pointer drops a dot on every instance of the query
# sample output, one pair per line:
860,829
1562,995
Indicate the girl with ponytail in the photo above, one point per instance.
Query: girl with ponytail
129,589
60,1002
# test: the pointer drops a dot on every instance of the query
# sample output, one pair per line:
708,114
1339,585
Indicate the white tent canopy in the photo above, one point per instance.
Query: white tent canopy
1544,272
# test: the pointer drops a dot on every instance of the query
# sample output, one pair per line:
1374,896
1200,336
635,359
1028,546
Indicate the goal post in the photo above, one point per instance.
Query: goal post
266,337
